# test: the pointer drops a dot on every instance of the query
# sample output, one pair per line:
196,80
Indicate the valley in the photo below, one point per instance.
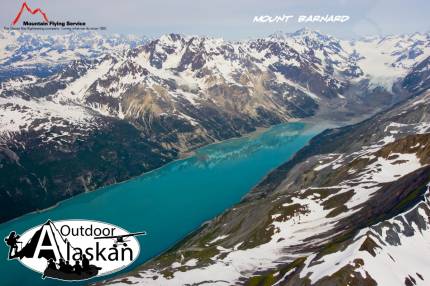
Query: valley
92,114
348,208
92,111
184,193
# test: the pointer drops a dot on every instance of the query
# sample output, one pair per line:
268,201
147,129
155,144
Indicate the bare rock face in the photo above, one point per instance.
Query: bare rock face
122,106
351,208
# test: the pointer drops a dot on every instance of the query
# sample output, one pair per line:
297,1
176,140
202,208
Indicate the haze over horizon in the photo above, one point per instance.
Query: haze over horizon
231,20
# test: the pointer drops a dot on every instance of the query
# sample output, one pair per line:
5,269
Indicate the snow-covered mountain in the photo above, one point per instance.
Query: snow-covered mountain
351,208
44,54
387,59
165,97
278,77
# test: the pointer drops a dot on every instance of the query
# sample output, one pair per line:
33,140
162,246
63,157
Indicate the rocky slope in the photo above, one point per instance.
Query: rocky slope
351,208
121,107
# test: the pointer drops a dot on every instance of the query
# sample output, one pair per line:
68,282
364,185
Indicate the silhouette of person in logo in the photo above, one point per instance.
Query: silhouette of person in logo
68,268
12,242
51,264
85,263
62,265
77,267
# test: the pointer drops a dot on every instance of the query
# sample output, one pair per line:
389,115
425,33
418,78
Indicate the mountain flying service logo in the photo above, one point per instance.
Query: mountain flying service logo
74,250
25,7
42,22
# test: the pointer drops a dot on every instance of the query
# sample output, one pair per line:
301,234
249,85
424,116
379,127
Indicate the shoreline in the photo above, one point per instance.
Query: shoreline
315,122
181,157
257,131
311,126
314,125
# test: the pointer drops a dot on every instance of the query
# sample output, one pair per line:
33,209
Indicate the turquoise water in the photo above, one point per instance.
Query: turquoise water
172,201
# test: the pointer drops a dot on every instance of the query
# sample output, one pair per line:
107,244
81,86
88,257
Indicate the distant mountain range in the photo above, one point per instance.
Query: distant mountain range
42,55
351,208
81,111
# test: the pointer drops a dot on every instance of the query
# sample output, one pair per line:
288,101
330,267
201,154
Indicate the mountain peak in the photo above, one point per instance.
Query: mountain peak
306,32
302,33
171,37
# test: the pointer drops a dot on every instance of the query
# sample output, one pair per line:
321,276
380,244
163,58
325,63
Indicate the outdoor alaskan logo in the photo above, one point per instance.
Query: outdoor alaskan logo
74,249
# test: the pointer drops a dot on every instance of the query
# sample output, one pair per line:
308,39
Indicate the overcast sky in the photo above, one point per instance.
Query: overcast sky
231,19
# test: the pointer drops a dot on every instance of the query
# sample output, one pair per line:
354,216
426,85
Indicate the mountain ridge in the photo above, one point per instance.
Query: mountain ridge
334,215
169,95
